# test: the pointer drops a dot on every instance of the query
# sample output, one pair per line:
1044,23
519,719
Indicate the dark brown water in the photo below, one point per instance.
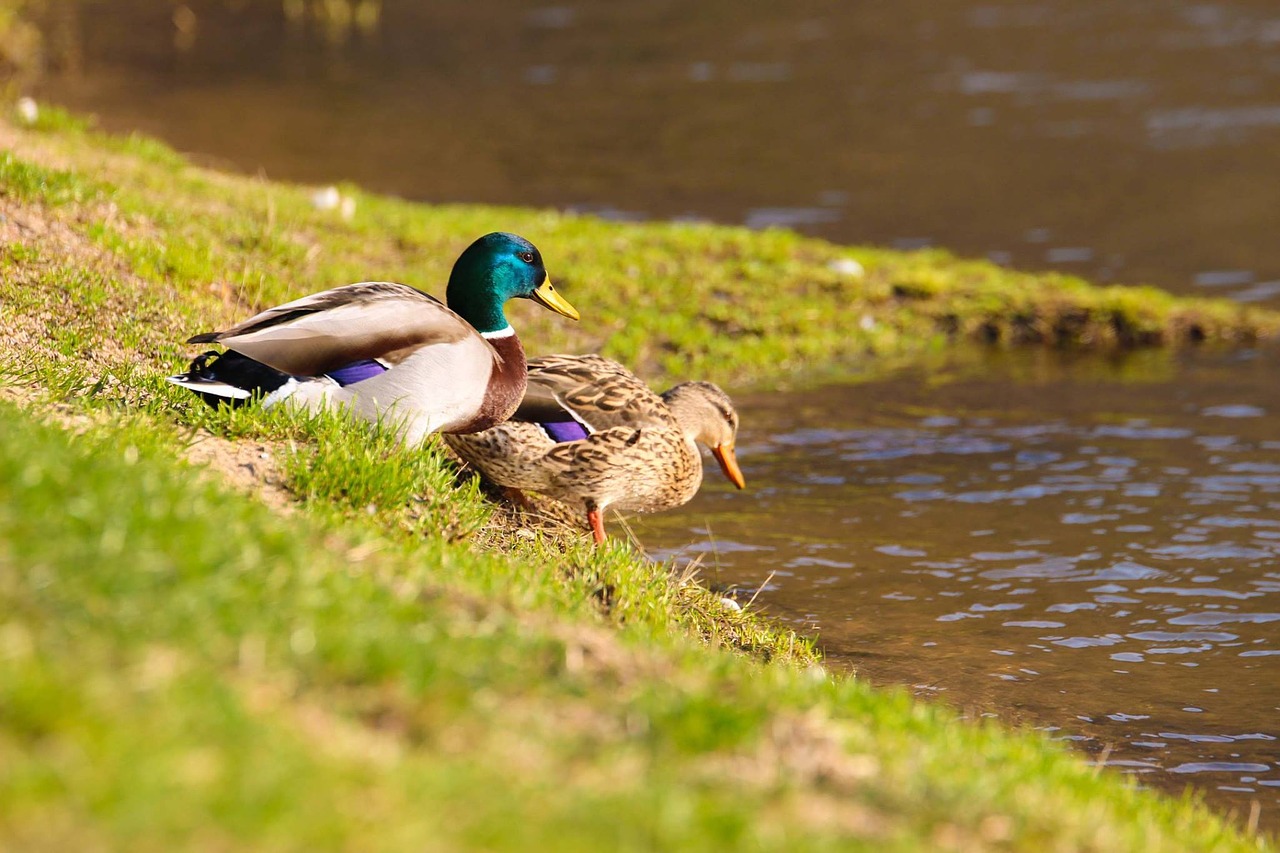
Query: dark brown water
1134,141
1052,542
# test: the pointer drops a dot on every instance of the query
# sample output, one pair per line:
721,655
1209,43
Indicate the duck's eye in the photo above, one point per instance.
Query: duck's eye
527,257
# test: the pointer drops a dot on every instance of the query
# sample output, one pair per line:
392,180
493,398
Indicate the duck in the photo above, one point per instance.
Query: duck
591,433
390,352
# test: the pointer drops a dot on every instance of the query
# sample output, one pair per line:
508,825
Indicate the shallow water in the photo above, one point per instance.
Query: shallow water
1130,141
1088,547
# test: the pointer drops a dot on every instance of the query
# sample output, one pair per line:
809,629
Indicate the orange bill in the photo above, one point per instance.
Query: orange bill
729,464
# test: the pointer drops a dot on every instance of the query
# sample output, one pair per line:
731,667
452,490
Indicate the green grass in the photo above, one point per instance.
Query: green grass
363,652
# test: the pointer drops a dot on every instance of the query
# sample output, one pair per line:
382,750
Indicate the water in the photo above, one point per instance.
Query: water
1122,141
1088,547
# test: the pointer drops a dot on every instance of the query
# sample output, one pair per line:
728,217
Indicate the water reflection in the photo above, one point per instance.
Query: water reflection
1121,141
1072,550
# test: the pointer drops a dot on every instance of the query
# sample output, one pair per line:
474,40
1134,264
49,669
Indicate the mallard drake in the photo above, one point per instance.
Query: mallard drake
389,351
590,432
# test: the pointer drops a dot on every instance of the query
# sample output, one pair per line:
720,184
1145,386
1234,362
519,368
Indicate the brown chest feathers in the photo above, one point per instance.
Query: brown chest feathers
505,389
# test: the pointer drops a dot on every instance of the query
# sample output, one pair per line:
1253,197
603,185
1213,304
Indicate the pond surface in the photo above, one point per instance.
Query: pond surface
1133,142
1088,547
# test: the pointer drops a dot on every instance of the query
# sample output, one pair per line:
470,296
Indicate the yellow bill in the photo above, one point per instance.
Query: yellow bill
546,296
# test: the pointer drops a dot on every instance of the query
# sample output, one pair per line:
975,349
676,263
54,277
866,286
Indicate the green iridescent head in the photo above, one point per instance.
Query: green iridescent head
493,269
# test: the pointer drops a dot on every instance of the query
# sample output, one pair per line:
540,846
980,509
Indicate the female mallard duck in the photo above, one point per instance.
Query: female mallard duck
590,431
389,350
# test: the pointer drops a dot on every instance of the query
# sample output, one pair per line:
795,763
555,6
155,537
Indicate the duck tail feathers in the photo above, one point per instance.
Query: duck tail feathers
233,379
207,388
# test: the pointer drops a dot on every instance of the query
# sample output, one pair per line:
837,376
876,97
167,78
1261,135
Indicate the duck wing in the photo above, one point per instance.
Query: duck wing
643,469
598,393
324,331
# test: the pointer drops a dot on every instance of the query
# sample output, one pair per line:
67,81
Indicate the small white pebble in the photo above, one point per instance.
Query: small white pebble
867,323
525,533
730,604
326,199
847,266
28,110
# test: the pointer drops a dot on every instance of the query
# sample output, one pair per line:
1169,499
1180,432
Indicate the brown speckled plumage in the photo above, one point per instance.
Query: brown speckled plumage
641,454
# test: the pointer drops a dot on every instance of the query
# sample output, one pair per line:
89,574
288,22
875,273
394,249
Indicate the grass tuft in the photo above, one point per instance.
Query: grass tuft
27,182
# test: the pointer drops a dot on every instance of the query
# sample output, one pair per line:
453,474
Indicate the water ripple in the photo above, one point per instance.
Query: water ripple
1220,767
1176,636
1218,617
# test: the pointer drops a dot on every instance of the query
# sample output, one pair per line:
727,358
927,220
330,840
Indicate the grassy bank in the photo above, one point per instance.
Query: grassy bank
224,630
